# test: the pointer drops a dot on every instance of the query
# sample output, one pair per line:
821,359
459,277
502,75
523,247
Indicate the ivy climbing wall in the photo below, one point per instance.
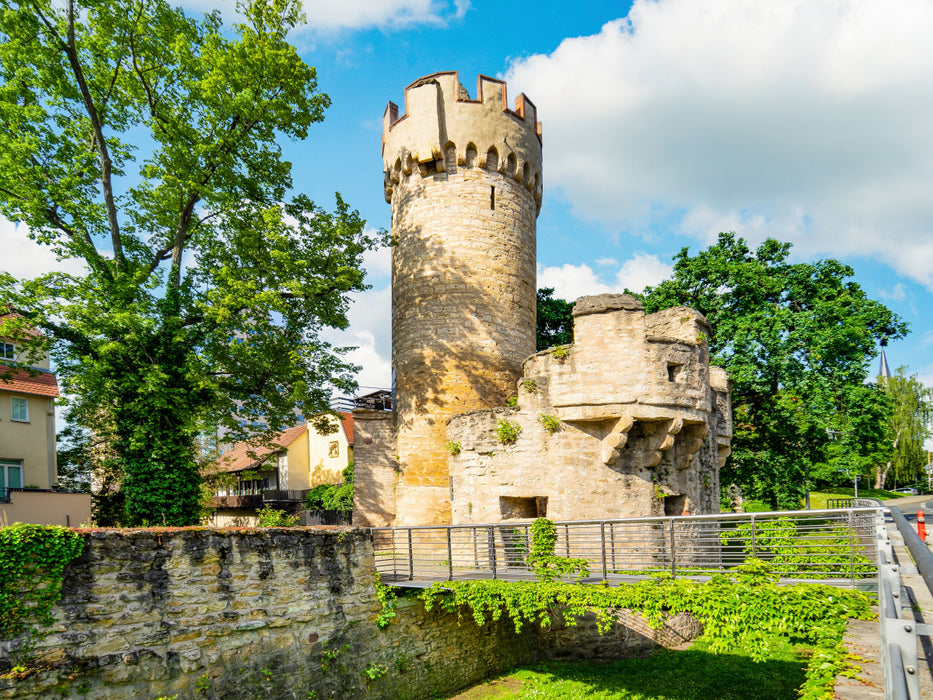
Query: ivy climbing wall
274,613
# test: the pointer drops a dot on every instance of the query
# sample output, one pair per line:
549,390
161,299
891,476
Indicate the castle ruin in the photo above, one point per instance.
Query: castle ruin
630,420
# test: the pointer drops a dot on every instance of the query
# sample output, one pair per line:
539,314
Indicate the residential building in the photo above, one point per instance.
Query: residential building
280,474
28,472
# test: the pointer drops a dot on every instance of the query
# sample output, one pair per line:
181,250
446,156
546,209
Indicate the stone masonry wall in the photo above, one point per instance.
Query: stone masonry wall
640,425
277,613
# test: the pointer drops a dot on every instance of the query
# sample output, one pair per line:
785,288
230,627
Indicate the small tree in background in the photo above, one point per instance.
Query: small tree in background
555,320
909,426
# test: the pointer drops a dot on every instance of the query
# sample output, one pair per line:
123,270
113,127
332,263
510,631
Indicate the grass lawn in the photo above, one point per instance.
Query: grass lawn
692,674
818,498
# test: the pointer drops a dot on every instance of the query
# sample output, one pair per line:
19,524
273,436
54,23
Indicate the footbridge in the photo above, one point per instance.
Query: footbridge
847,545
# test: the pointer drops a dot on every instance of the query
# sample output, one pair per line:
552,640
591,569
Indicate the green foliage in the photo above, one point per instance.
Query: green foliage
388,600
74,457
542,560
374,671
507,431
561,352
203,684
142,143
747,613
32,560
550,423
909,426
512,401
530,385
827,554
555,320
328,655
333,496
273,517
797,341
756,507
453,448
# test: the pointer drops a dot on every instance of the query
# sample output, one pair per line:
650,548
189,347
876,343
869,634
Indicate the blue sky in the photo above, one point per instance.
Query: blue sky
664,122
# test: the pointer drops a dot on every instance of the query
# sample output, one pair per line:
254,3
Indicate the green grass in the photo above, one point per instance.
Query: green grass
693,674
818,498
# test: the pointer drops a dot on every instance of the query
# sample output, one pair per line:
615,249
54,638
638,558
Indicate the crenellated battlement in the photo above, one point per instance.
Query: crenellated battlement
444,129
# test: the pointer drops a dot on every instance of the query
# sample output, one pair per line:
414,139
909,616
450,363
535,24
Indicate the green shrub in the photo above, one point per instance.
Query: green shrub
550,423
333,496
453,448
273,517
757,507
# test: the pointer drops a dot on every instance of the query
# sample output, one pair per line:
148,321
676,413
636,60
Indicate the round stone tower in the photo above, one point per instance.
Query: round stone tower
463,177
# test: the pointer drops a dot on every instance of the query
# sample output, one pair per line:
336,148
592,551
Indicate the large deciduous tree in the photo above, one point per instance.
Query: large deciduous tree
909,426
144,143
797,341
554,320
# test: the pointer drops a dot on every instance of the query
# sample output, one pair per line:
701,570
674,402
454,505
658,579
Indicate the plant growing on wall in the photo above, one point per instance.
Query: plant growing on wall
507,431
453,448
550,423
32,560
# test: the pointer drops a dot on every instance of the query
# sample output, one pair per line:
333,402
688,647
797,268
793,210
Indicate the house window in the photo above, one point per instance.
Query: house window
333,449
7,351
11,475
19,409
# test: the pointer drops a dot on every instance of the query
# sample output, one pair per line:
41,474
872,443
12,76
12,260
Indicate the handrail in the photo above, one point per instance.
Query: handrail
922,556
652,519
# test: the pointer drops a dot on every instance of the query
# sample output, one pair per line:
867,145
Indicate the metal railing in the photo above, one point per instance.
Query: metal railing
832,546
899,657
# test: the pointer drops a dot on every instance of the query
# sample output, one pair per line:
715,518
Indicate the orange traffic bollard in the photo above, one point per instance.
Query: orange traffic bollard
921,526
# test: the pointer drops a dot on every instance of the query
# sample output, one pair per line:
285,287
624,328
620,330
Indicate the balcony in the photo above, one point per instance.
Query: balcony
246,502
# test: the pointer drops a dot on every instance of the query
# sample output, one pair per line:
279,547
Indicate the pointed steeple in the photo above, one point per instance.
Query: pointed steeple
884,372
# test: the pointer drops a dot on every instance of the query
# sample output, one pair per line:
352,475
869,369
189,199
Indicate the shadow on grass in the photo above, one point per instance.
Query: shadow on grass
694,674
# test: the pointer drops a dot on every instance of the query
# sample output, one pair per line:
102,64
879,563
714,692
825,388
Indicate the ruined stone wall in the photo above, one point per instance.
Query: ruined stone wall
375,474
463,178
642,425
277,613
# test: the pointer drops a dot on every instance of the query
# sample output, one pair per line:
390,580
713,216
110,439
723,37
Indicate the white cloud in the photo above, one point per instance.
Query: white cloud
806,120
328,16
897,293
607,262
571,282
25,259
641,271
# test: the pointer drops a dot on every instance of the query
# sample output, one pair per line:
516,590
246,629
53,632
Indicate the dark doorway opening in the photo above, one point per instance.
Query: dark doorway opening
522,507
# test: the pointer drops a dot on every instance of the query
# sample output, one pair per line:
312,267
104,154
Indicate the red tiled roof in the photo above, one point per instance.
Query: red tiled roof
347,420
19,382
239,458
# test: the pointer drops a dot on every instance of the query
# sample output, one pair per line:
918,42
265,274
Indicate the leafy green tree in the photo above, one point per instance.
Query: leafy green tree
797,341
75,458
555,320
909,426
143,143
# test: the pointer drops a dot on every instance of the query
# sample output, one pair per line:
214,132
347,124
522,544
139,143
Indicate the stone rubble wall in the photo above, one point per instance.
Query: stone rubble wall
273,613
644,424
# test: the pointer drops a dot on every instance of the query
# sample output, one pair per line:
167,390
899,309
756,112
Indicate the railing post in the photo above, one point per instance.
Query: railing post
450,558
602,541
754,547
411,559
475,550
394,555
852,541
612,545
566,541
492,550
673,551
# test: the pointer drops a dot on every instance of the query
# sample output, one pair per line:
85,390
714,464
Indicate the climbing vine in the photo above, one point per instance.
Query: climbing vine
747,611
542,560
32,559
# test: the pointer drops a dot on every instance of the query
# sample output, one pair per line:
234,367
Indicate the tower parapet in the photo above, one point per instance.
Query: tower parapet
443,129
